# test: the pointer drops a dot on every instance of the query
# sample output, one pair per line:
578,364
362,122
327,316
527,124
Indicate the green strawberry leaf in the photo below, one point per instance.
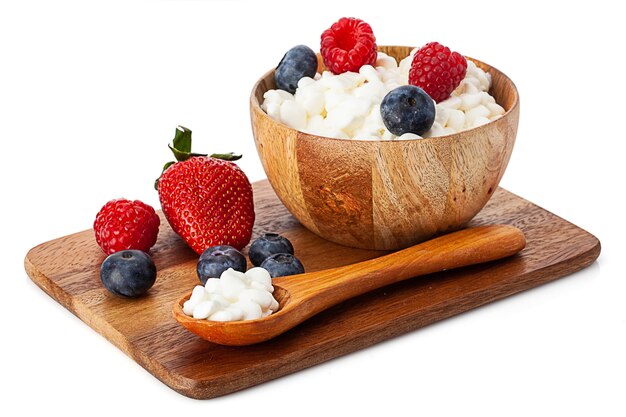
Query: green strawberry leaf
183,156
167,165
182,139
230,156
181,145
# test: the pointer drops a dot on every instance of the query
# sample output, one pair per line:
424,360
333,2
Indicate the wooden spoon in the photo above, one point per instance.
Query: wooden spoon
302,296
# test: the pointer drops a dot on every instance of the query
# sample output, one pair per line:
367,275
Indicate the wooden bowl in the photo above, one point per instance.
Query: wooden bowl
386,194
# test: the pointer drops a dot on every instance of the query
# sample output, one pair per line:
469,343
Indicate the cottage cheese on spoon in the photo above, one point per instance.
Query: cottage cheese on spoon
232,297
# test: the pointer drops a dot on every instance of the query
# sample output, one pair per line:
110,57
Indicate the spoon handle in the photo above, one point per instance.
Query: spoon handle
323,289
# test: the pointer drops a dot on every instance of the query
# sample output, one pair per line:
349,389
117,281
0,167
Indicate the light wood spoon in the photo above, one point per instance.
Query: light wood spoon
302,296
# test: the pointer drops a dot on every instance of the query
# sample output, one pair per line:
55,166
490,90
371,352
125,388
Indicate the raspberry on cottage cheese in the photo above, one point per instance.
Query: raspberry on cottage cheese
234,296
347,105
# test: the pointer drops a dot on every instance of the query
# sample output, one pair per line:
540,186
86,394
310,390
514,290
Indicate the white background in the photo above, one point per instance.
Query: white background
90,94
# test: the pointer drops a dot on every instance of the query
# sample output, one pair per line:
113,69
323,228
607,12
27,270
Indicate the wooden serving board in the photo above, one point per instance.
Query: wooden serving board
68,270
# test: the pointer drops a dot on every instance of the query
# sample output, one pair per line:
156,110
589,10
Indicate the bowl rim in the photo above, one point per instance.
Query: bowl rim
256,106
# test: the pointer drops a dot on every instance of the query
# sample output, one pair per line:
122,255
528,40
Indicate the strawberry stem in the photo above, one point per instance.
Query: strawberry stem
181,148
230,156
181,145
182,139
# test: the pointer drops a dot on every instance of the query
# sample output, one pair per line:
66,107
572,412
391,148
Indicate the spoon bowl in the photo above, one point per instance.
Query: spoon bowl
240,333
302,296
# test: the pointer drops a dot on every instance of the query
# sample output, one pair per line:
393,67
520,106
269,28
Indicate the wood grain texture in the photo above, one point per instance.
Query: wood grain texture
68,270
302,296
386,194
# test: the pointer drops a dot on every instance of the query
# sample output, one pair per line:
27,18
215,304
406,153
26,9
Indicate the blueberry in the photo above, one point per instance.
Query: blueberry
300,61
282,264
407,109
128,273
266,245
217,259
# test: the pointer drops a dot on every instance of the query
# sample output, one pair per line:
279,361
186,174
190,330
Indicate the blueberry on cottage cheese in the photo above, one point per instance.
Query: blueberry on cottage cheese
282,264
407,109
300,61
268,244
128,273
217,259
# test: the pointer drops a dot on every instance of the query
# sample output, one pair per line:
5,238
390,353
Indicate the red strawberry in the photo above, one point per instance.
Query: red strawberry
437,70
123,224
207,200
348,45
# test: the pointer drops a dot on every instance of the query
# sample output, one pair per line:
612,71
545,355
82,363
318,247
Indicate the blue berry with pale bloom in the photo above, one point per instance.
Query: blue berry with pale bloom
407,109
300,61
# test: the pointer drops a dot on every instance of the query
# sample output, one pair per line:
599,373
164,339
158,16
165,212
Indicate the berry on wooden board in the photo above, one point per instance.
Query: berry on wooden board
282,264
206,199
217,259
266,245
124,224
129,273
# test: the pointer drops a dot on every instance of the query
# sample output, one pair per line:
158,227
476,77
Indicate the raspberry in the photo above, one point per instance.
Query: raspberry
437,70
348,45
123,224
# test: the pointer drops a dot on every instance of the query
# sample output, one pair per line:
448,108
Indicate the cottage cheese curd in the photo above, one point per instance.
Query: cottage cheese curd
234,296
347,106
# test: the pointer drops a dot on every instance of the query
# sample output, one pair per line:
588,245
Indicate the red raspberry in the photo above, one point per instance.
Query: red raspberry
437,70
123,224
348,45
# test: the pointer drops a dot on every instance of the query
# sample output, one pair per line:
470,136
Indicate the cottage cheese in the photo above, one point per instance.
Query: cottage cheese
347,106
234,296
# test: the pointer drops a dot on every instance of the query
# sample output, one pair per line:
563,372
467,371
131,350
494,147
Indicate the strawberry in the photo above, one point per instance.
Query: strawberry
206,199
